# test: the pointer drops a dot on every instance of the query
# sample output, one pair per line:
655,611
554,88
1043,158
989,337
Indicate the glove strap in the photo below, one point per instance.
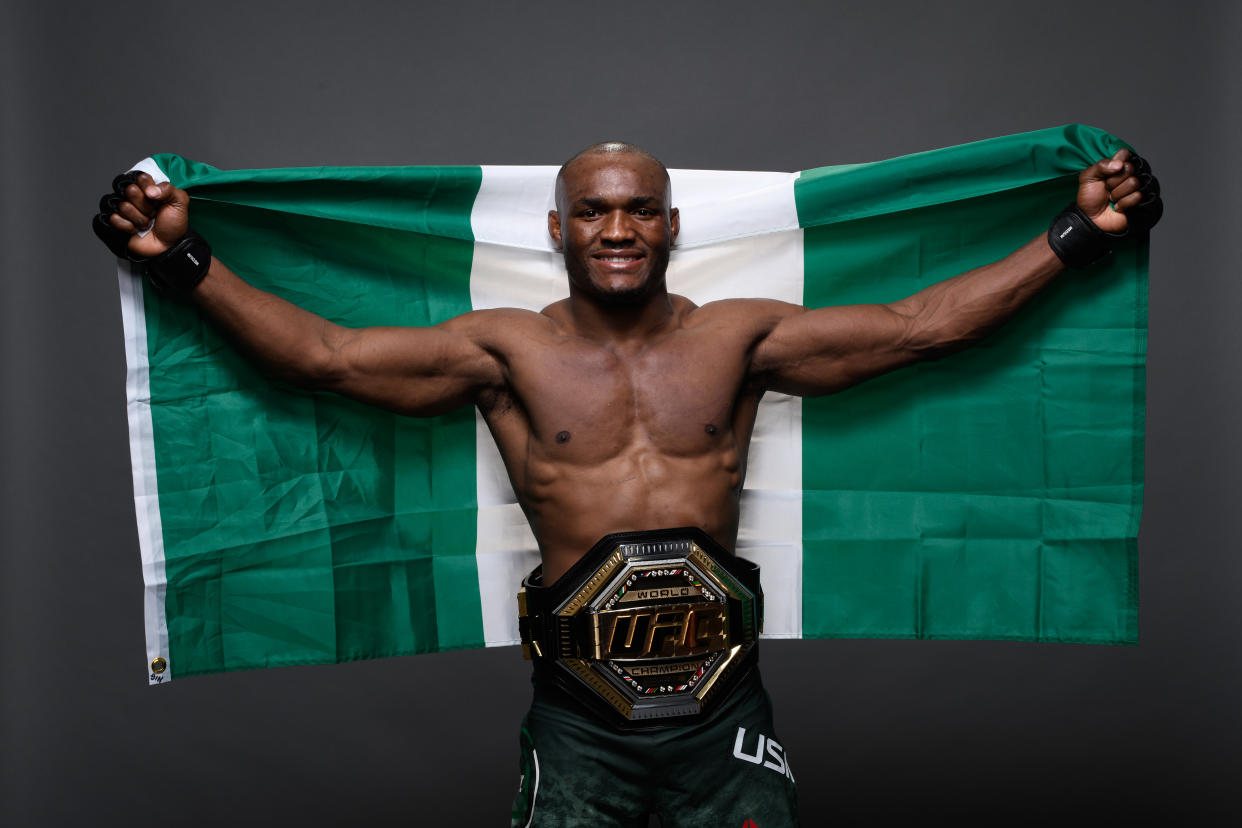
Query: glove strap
180,268
1077,240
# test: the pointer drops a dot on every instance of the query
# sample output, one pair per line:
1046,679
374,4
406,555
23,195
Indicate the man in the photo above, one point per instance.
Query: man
625,409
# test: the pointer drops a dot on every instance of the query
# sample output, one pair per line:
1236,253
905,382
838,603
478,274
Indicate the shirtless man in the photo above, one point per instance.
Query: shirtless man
626,408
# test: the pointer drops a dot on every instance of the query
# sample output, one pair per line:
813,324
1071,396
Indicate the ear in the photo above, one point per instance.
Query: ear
674,220
554,227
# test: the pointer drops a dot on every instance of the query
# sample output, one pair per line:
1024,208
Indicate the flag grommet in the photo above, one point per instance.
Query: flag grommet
158,665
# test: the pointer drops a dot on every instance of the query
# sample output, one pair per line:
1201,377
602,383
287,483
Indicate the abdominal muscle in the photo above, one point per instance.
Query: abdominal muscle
570,507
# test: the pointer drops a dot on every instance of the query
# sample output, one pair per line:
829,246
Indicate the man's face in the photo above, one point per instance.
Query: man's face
615,226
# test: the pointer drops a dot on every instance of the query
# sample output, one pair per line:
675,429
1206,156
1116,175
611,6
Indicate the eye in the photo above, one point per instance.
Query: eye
588,213
643,212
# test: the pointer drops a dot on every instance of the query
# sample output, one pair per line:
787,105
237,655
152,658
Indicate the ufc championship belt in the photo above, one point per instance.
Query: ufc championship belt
648,628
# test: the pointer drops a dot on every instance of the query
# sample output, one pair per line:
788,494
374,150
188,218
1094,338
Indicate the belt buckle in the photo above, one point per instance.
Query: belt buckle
655,625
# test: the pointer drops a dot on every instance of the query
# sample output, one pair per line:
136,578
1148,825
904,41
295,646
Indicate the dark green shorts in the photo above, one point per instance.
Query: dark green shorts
728,770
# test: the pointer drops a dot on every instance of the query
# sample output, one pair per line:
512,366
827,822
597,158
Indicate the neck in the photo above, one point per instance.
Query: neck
617,323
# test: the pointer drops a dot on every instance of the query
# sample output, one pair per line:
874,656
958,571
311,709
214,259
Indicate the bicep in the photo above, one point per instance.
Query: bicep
414,371
825,350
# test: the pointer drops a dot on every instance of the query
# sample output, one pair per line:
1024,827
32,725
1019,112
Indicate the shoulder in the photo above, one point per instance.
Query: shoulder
497,335
755,316
497,324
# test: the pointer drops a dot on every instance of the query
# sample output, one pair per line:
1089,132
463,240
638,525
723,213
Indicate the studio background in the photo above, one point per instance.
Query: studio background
879,732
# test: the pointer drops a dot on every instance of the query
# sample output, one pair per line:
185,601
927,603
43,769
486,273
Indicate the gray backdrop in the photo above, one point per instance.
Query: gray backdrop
878,731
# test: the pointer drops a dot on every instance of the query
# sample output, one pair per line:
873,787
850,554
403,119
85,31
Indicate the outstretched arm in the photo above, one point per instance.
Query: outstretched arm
415,371
821,351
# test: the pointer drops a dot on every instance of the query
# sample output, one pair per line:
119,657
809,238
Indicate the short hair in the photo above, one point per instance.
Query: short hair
609,148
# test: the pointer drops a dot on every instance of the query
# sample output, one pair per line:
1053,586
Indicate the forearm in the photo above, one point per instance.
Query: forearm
417,371
289,342
952,314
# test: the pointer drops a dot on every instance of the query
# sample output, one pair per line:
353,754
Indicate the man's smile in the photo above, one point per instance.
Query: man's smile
619,261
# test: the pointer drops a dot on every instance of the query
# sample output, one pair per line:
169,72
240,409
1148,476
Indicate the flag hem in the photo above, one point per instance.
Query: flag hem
142,459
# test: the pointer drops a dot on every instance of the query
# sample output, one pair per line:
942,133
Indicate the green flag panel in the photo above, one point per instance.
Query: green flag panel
996,493
300,527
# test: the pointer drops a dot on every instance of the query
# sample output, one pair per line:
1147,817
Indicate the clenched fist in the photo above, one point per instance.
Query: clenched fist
1117,198
1125,181
140,219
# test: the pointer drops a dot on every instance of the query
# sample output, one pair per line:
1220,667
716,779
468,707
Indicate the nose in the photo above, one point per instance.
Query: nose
617,227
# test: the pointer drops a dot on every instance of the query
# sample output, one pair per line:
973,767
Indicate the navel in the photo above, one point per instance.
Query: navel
562,437
710,428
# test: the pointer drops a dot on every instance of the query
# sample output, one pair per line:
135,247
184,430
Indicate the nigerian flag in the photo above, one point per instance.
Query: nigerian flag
994,494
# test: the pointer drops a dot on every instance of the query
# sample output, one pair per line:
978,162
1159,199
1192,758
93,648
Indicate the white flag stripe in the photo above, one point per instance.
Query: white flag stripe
720,205
505,549
515,265
142,456
513,277
770,530
512,207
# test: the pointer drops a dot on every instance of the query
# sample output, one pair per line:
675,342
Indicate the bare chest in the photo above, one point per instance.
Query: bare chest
586,403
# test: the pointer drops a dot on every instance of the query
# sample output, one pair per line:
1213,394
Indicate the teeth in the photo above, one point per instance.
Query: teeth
618,258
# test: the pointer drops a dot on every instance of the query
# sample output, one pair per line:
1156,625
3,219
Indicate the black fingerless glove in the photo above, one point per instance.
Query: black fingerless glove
1078,241
116,240
177,270
1144,215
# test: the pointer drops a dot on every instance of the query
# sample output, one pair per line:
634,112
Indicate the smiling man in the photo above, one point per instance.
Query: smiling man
624,414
